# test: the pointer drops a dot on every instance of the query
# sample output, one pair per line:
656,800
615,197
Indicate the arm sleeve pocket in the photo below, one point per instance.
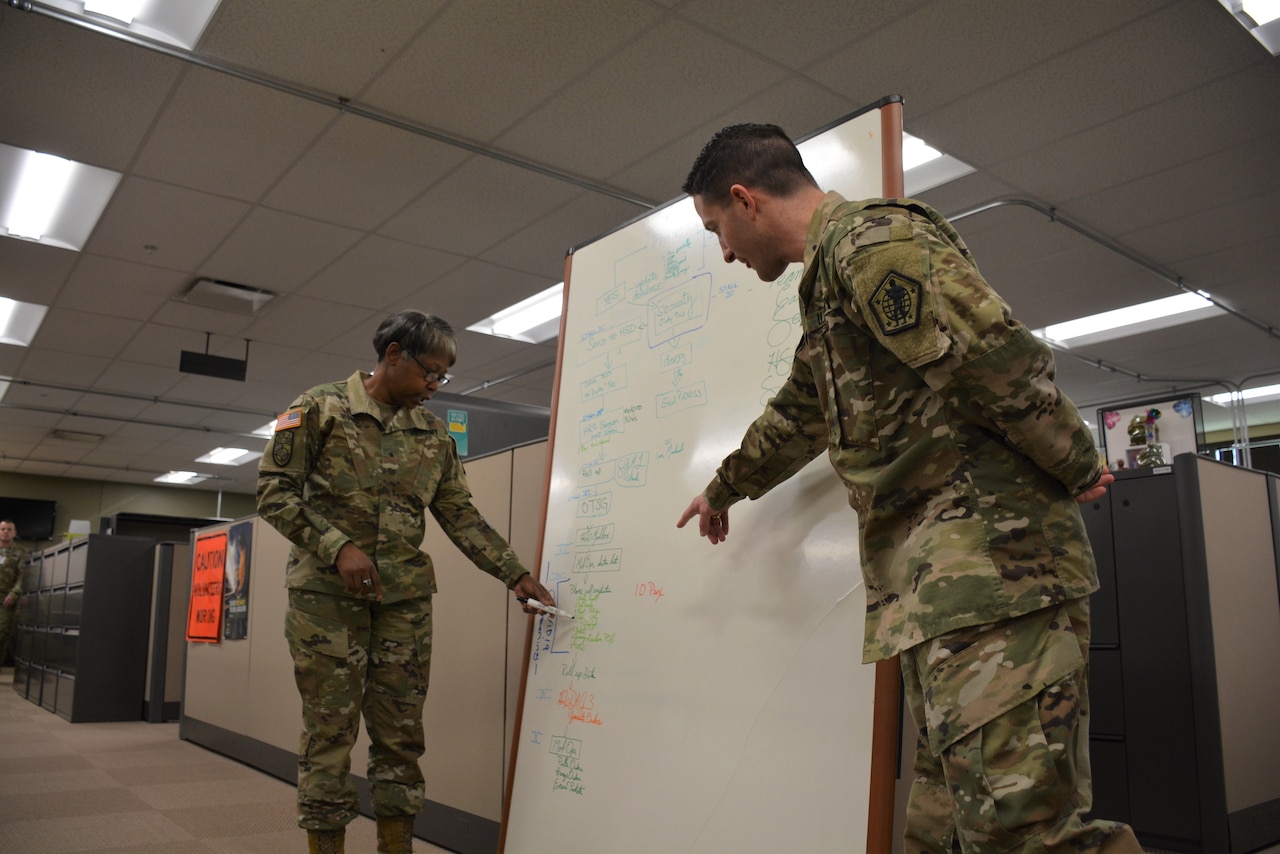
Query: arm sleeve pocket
895,292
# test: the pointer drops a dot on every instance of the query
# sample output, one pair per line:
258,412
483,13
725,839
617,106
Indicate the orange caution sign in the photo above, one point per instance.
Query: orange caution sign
208,571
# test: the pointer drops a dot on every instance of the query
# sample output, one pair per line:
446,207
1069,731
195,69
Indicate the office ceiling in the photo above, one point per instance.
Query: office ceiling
482,138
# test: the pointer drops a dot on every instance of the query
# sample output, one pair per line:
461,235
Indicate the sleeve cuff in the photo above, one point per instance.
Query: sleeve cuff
720,495
330,544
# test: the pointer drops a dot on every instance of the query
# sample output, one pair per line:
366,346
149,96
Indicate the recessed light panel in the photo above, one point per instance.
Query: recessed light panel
49,199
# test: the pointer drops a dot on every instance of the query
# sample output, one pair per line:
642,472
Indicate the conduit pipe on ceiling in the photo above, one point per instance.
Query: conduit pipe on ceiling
1239,419
342,105
1177,281
144,398
489,383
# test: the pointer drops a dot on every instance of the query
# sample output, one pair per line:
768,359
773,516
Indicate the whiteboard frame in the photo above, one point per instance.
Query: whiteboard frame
886,721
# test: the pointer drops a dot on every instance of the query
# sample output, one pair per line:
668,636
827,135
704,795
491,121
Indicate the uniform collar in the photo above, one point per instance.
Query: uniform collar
818,224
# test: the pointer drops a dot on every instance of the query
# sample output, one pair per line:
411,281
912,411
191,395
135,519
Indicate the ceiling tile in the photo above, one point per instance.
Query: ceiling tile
107,97
32,272
540,249
119,288
380,273
361,172
296,321
331,47
276,251
162,225
85,333
796,104
484,64
476,206
227,136
815,27
651,76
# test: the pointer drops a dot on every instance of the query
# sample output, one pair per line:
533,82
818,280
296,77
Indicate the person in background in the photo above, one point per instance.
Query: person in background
964,462
348,477
13,558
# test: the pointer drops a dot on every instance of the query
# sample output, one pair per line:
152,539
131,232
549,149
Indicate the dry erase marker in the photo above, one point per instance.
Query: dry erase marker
535,603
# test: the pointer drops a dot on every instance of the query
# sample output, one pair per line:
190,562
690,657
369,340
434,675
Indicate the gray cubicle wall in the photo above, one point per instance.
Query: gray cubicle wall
491,425
171,585
1185,662
1233,614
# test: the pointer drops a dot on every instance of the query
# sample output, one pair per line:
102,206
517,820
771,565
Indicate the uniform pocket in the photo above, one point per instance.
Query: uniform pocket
320,647
1013,776
841,359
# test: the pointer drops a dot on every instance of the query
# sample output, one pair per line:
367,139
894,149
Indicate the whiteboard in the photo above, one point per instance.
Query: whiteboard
706,698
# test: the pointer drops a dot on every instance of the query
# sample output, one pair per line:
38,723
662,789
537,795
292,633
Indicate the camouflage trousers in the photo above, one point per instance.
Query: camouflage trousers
354,657
1002,762
7,622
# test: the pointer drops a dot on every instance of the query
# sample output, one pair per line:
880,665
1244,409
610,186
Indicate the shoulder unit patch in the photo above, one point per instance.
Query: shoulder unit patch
896,303
282,449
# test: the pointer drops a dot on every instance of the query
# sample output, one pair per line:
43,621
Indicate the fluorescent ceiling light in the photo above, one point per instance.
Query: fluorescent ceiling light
1262,11
19,321
1260,17
49,199
925,167
228,456
533,320
121,10
1131,320
174,22
916,152
267,429
42,188
1256,395
181,477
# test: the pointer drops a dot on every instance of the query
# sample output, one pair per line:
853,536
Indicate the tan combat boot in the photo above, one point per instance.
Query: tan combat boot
326,841
395,834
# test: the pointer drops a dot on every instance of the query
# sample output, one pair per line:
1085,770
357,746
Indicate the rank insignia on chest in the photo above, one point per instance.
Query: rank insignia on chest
896,303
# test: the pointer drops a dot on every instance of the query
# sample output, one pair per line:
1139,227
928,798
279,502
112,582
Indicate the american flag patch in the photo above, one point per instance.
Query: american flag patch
291,419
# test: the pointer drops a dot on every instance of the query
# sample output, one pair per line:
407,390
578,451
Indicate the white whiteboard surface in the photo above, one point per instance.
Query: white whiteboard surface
706,698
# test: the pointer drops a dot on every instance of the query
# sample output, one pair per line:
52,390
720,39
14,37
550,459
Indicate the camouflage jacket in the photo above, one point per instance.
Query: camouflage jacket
13,561
940,414
342,467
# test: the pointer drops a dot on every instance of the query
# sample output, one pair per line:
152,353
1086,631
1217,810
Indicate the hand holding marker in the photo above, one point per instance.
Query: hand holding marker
555,612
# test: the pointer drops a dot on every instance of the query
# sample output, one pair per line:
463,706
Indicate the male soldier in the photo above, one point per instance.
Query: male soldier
351,471
12,560
962,459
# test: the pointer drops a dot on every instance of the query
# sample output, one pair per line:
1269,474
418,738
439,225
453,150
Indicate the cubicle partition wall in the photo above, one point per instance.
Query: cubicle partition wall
170,587
240,698
1185,657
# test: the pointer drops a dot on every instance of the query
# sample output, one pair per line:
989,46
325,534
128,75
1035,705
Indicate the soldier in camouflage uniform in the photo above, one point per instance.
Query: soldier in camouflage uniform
12,560
351,472
964,463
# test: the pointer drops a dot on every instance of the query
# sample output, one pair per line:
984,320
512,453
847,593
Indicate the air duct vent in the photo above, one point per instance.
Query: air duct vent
226,296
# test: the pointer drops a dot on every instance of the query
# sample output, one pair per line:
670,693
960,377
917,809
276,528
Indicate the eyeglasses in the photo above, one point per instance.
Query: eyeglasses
427,374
